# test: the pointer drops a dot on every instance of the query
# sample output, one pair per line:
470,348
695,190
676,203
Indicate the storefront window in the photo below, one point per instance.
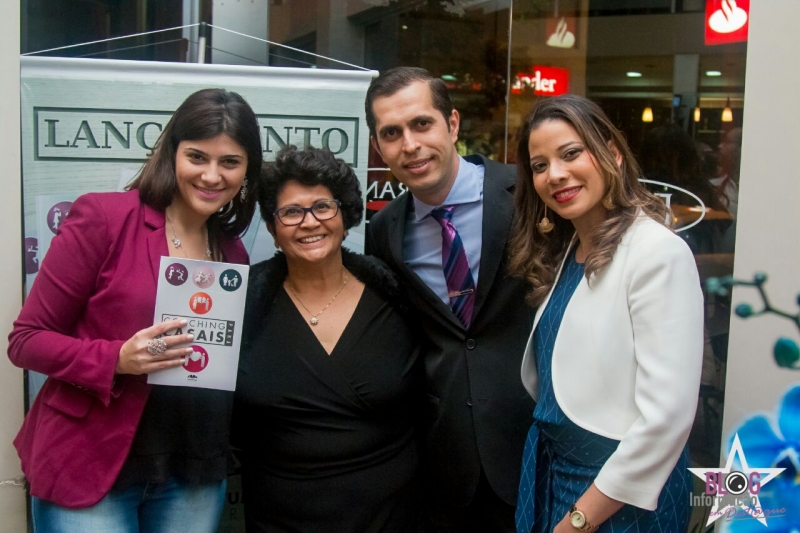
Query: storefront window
50,24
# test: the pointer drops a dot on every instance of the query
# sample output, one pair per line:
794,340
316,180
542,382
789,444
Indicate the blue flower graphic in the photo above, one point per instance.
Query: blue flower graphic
765,447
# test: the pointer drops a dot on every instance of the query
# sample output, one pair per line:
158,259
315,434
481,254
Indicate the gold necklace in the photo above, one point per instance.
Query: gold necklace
176,242
314,321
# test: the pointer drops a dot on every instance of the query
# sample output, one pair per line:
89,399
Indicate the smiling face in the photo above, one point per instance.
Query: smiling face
565,175
311,241
417,142
209,173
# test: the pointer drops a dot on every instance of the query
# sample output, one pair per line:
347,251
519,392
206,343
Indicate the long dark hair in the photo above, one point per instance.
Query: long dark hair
534,256
206,114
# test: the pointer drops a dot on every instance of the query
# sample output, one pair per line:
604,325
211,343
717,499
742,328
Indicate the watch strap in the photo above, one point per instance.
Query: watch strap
586,527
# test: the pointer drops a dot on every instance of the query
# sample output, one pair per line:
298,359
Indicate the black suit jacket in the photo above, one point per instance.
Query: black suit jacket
479,412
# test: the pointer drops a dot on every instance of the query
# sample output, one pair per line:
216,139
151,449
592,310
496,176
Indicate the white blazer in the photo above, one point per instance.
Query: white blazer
627,359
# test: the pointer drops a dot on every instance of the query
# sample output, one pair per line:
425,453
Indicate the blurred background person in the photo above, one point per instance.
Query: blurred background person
614,357
102,450
670,155
727,179
328,384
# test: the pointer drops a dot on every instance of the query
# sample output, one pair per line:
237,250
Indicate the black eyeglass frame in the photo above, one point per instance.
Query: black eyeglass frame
307,210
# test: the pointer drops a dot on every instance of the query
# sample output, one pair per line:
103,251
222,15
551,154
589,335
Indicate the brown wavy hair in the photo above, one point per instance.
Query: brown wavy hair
535,257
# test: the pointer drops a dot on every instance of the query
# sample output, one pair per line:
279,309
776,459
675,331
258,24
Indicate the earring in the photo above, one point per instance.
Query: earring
608,203
243,190
544,225
346,233
277,247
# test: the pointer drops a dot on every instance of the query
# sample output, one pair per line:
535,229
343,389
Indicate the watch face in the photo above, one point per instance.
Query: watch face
577,519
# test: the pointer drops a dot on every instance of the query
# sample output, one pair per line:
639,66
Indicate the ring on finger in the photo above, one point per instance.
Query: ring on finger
156,346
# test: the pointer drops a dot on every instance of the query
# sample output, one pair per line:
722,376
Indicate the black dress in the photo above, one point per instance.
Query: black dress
328,442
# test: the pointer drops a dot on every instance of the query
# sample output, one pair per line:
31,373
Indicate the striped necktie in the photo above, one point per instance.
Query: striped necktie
460,285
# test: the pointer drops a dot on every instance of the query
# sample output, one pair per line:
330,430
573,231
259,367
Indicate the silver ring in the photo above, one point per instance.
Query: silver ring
156,347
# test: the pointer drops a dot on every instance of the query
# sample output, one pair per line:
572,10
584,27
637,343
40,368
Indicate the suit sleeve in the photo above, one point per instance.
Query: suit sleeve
43,336
666,311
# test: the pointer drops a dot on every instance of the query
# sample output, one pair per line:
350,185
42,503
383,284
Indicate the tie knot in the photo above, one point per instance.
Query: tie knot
443,214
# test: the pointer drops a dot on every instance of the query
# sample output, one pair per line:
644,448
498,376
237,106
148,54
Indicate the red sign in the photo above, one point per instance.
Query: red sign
727,21
545,81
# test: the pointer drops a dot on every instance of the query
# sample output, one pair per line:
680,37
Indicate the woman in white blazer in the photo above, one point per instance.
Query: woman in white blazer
614,357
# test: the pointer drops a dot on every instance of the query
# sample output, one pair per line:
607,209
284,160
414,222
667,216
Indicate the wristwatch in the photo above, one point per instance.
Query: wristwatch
578,521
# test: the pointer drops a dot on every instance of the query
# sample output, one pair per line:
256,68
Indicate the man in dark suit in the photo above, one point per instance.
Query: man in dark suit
448,240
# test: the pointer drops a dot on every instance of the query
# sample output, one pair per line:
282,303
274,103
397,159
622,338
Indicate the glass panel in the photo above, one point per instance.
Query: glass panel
54,23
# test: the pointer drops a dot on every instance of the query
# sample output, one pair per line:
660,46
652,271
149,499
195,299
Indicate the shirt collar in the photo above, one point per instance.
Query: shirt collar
467,188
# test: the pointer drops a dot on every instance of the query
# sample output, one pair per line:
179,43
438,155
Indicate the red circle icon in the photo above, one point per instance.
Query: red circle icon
197,361
200,303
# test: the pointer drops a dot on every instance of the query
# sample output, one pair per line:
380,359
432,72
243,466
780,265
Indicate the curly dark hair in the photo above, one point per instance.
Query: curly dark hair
311,166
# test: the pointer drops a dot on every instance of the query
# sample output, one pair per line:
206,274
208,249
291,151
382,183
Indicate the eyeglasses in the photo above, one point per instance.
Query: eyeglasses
294,215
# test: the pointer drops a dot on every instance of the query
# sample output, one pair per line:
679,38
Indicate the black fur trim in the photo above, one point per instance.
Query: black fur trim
267,277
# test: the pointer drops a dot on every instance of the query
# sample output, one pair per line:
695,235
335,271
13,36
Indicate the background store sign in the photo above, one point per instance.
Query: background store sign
561,32
545,81
727,21
96,134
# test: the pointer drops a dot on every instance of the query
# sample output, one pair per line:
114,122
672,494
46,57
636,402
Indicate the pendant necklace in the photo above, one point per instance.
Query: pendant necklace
314,320
176,242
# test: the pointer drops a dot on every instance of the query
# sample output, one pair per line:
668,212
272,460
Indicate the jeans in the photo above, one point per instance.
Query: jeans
169,507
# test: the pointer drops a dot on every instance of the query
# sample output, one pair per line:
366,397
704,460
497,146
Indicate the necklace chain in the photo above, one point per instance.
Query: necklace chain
314,320
176,242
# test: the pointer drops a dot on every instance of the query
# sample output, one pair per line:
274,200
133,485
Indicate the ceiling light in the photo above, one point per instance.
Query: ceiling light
647,114
727,113
713,73
633,74
697,114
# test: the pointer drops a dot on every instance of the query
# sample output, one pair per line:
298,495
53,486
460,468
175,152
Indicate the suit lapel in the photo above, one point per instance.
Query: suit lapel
396,234
230,254
498,210
156,244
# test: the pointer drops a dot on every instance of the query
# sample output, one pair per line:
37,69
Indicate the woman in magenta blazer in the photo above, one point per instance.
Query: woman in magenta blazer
102,449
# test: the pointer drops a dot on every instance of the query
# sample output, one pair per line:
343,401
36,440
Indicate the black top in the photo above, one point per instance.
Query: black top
327,441
183,433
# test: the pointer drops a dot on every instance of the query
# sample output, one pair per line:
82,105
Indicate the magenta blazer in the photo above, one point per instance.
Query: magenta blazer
95,289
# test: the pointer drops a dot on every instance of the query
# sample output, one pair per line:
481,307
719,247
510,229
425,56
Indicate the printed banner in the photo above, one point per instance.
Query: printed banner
88,125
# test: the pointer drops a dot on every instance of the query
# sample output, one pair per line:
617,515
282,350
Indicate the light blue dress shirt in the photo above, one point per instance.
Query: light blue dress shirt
422,244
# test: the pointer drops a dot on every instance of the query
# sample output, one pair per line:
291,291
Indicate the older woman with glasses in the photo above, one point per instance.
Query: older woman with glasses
324,411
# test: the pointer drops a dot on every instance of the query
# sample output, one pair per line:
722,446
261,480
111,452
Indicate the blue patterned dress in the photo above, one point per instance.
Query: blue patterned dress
561,459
